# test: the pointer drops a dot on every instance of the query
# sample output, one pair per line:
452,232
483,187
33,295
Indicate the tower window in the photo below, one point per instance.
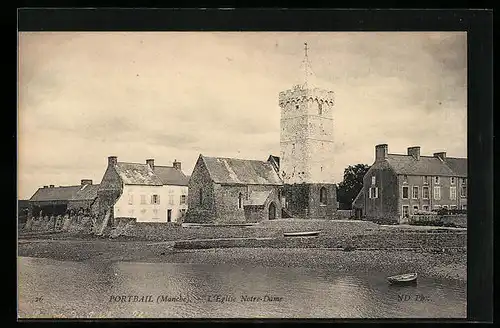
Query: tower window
201,196
320,108
240,200
322,196
296,106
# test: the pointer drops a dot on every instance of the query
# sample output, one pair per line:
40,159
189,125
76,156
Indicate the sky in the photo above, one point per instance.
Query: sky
175,95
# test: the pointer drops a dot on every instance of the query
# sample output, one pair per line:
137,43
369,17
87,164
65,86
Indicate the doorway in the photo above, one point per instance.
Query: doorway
169,215
272,211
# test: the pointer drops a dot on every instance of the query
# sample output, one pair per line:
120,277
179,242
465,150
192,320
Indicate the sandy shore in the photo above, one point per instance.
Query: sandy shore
436,265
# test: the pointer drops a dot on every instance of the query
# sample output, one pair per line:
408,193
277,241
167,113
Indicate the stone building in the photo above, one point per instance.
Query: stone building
230,190
145,192
306,162
53,201
398,185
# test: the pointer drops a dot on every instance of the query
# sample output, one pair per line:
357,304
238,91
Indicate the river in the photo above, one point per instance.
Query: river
61,289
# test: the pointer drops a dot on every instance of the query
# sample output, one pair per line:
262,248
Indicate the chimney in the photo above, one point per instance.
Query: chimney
112,160
45,187
441,155
177,165
381,152
51,186
415,152
151,163
86,182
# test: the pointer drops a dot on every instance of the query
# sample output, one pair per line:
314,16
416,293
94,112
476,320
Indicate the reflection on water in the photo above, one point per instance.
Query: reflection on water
49,288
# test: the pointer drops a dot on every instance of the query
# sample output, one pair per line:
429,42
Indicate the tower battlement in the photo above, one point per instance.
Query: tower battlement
298,94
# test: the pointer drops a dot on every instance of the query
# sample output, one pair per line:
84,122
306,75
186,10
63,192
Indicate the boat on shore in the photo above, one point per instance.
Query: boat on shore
302,233
403,279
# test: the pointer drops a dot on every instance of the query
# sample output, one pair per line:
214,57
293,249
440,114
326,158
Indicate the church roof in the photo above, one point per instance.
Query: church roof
241,171
257,198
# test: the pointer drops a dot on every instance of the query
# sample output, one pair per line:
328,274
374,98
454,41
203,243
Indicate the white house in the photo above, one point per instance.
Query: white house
146,192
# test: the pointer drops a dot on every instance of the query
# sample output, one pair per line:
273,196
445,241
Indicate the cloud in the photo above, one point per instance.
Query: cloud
86,96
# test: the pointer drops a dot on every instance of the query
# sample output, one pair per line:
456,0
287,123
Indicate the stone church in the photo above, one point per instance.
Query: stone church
299,183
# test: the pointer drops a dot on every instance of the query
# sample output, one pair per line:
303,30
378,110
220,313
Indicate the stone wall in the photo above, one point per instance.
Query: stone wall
79,222
457,220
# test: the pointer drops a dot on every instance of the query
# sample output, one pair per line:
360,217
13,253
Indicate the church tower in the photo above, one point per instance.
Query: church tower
307,148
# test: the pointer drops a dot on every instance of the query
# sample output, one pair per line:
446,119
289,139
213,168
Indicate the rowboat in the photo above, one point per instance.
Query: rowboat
301,233
403,279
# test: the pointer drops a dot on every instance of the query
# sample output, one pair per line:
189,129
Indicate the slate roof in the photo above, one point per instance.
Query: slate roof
137,174
427,165
171,176
86,192
65,193
458,165
241,171
257,198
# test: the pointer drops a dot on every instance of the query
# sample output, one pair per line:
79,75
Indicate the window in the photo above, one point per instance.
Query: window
414,193
453,207
323,196
373,180
183,199
464,181
143,199
405,211
415,209
425,192
171,199
201,196
425,208
373,192
426,179
130,199
240,200
437,193
320,108
452,180
405,178
463,191
405,192
155,199
464,207
453,193
445,206
436,180
296,106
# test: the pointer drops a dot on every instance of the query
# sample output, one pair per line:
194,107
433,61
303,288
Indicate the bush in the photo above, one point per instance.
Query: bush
445,211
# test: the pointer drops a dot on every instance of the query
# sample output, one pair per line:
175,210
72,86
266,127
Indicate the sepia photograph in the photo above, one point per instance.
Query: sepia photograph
251,174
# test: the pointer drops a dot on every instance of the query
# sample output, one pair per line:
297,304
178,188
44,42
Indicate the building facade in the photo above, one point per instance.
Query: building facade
306,162
230,190
397,185
145,192
51,200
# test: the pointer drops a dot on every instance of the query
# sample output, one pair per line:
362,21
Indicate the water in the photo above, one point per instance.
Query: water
57,289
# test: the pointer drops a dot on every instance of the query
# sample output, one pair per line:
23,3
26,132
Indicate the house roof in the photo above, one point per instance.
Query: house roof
65,193
86,192
171,176
241,171
257,198
137,174
426,165
457,165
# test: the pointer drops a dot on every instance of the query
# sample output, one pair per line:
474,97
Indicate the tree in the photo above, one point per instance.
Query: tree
349,188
